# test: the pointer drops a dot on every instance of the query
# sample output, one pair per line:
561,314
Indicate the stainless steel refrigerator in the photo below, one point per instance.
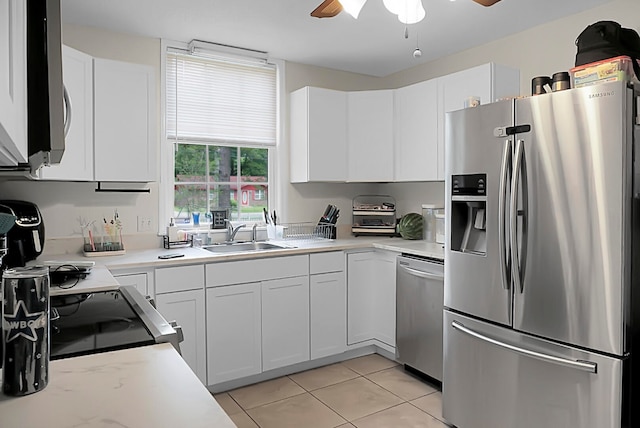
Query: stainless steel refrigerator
541,262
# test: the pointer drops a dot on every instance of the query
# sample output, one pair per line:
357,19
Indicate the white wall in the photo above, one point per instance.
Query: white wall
542,50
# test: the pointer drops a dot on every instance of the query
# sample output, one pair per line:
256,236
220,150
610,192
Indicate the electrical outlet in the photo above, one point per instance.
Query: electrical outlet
144,224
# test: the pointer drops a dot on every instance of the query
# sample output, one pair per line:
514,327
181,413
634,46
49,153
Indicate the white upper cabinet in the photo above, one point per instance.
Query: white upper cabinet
318,135
490,82
391,135
13,82
77,161
125,121
112,136
416,132
370,136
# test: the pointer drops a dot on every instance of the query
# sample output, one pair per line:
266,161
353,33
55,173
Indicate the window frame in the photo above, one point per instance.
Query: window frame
167,164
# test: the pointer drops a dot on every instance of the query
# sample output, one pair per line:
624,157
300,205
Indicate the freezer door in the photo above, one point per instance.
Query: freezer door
573,216
496,377
476,279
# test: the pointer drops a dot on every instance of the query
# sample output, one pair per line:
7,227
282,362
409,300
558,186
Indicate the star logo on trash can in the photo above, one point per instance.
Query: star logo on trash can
23,323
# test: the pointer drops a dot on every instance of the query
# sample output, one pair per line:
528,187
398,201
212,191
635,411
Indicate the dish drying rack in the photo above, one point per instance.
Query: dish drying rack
168,244
308,231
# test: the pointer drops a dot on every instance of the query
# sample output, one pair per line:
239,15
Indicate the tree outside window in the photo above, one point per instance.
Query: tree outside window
212,177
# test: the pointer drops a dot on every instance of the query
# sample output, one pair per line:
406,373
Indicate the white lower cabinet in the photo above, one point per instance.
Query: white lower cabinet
328,299
385,297
180,297
138,280
234,332
371,297
187,308
285,322
360,297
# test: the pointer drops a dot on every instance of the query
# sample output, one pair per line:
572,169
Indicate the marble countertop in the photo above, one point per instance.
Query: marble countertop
149,386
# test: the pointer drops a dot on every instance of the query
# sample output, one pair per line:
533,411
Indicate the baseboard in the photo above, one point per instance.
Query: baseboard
307,365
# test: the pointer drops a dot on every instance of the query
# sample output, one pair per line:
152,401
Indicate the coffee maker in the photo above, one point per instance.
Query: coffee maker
25,240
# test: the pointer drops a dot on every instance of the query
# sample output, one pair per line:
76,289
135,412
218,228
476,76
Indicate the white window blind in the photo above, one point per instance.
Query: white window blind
219,101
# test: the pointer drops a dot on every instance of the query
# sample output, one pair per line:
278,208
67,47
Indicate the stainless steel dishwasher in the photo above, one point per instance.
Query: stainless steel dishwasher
419,301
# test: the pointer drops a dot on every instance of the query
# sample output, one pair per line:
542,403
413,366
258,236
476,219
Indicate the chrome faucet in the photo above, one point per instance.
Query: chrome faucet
232,231
254,232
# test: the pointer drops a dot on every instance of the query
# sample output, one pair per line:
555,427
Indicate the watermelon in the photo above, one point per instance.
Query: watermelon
411,226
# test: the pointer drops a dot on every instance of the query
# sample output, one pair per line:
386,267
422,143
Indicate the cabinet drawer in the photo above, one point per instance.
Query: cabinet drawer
179,278
227,273
326,262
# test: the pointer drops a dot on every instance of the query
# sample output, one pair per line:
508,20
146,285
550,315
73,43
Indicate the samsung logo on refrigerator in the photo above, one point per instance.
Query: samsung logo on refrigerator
602,94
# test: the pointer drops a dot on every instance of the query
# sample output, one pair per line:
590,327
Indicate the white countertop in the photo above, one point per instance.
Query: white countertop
416,248
150,386
98,279
149,258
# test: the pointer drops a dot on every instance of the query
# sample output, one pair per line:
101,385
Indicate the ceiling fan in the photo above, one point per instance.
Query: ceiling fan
330,8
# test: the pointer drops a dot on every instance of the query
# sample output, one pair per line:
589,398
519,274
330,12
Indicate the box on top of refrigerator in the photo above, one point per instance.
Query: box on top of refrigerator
614,69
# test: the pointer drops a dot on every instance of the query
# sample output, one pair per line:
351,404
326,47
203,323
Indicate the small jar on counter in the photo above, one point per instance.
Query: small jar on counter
430,213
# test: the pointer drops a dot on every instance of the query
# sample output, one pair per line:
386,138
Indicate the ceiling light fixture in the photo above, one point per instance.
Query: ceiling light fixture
353,7
408,11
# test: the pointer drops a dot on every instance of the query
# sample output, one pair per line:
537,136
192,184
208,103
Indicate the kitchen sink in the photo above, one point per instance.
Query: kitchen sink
243,247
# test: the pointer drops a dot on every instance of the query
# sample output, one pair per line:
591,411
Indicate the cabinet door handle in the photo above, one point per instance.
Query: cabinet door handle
326,281
277,287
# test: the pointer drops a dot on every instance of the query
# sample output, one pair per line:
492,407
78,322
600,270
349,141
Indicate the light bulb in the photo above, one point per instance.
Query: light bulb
394,6
417,53
411,12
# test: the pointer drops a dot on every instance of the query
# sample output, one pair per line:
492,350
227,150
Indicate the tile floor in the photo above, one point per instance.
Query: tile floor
365,392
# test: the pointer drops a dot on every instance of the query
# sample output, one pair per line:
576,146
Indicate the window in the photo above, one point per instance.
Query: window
221,123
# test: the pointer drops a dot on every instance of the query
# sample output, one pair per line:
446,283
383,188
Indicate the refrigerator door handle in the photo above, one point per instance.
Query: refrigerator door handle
586,366
513,217
502,225
421,274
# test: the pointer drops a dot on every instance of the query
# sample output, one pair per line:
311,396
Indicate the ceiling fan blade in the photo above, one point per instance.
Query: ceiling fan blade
486,2
327,9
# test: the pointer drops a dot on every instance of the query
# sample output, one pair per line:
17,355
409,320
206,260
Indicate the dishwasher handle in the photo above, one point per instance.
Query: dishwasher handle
421,274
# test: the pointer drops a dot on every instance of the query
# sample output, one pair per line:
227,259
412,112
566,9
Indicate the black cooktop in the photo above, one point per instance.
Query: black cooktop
94,322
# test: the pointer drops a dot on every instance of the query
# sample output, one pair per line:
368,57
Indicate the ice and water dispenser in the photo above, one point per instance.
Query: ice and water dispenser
469,214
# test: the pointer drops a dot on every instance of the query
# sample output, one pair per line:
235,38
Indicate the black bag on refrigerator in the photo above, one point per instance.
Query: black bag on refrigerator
607,39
